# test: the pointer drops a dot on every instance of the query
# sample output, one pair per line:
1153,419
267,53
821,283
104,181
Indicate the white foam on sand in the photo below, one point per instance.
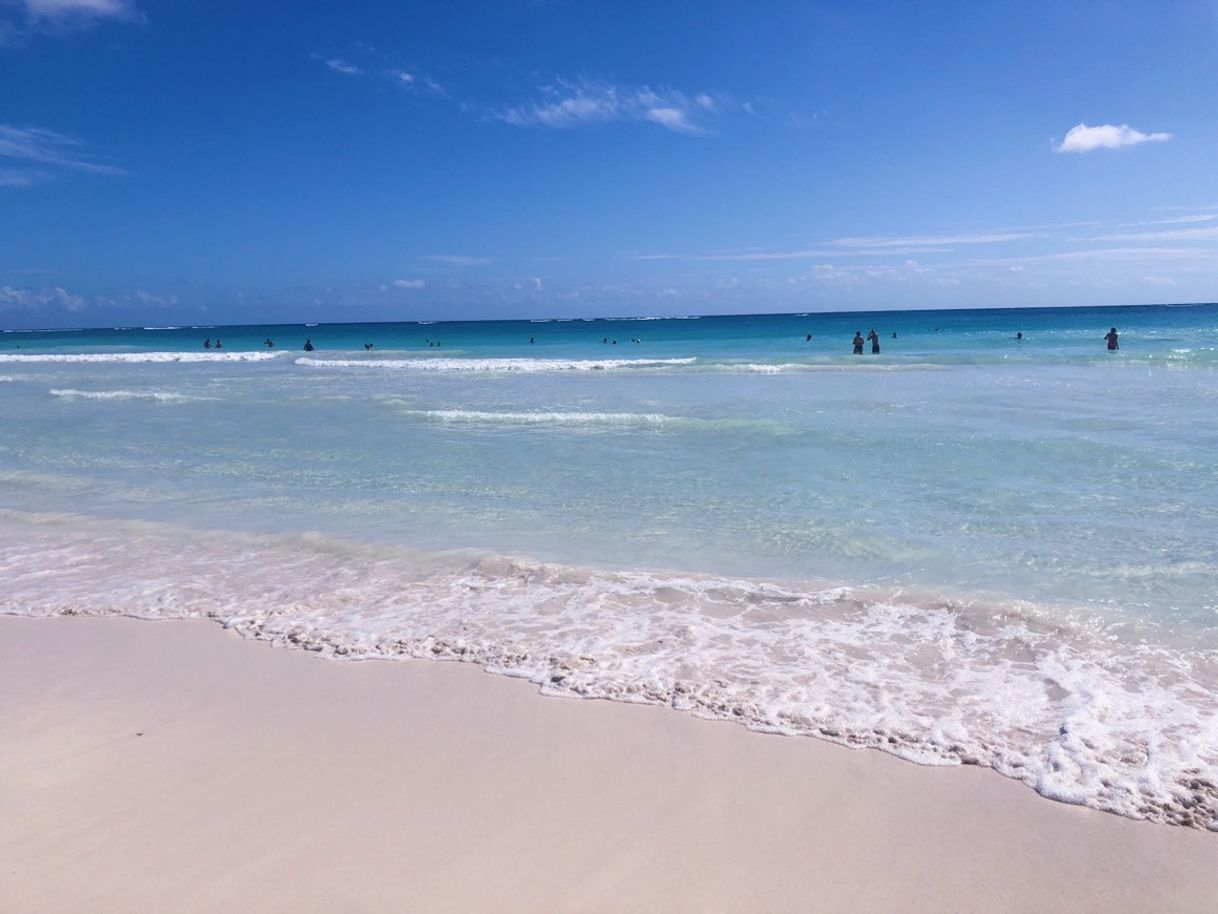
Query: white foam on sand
1068,709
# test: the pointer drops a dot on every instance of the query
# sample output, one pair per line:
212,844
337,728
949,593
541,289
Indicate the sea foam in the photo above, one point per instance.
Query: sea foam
156,395
501,365
1068,709
138,357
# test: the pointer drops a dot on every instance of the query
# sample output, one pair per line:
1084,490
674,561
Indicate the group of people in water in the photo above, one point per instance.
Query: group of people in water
1112,338
872,337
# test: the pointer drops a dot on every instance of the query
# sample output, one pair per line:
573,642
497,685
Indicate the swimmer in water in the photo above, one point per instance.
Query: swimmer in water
1019,336
219,345
308,346
1113,340
858,342
207,343
875,341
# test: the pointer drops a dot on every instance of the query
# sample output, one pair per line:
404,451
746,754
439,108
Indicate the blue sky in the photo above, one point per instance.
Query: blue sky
171,162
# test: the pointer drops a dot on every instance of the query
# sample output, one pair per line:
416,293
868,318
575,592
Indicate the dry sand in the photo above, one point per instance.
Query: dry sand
270,780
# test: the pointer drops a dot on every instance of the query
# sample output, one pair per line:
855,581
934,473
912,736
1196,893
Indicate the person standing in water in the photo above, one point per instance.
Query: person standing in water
308,346
219,345
1113,340
858,342
207,343
875,341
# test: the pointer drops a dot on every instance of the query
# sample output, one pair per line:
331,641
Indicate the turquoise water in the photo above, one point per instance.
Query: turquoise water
965,548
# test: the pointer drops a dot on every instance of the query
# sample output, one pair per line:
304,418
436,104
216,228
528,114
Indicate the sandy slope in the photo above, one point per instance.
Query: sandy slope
269,780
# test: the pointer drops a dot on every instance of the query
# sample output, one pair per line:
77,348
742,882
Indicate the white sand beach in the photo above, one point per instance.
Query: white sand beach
171,766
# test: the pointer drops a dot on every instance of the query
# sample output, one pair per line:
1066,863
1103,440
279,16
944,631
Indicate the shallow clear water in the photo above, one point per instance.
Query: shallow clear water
968,547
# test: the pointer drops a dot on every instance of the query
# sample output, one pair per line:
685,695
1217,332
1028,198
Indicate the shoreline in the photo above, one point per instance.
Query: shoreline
266,779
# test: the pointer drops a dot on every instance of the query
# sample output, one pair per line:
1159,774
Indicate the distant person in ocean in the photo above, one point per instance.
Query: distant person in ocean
875,341
1019,336
367,346
268,343
858,342
532,341
894,334
308,346
1111,337
219,345
207,343
808,338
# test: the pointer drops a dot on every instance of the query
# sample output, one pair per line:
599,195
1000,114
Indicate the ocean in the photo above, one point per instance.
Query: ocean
970,548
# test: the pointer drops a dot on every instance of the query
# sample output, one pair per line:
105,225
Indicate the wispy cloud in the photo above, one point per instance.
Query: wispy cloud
1129,254
876,245
339,65
1208,233
1082,138
61,10
23,177
458,260
929,241
62,16
32,155
410,283
576,103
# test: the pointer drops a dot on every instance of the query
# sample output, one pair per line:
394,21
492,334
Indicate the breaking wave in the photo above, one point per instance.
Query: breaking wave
139,357
502,365
157,395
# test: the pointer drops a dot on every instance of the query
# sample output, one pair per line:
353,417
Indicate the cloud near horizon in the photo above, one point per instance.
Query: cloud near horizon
410,283
1082,138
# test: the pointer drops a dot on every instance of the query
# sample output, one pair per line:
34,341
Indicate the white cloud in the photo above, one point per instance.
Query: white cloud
338,65
410,283
48,151
37,299
63,10
1158,280
459,260
580,103
151,298
672,118
1082,138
